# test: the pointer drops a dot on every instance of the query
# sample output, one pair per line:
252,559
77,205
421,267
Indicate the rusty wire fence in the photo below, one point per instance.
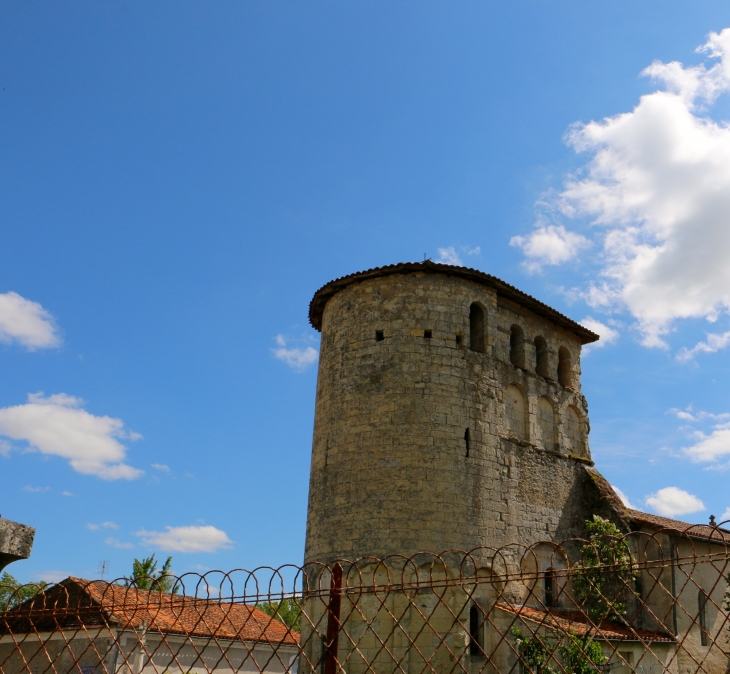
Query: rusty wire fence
640,603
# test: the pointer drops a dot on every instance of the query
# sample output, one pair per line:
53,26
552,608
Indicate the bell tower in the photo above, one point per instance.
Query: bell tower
449,414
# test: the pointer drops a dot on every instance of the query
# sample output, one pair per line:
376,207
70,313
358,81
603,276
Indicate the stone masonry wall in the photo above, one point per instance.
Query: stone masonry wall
390,468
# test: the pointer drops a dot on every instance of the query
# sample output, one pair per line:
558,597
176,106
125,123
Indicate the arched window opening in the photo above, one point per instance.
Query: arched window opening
565,367
476,630
466,441
550,587
517,346
541,353
702,616
515,409
574,433
477,341
546,423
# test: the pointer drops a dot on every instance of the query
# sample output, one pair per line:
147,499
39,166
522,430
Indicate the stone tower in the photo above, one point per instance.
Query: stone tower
449,414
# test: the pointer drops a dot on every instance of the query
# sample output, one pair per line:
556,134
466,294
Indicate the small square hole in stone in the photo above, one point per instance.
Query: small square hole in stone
427,334
379,336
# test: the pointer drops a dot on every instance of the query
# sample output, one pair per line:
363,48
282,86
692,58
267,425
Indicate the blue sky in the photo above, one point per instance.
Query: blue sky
177,179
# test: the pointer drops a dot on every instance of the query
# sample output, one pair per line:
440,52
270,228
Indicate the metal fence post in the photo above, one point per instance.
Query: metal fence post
333,621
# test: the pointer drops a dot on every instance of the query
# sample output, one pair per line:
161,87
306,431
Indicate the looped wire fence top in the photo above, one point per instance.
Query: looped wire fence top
644,602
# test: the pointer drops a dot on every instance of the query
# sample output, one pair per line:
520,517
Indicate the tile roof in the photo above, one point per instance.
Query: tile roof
579,623
704,531
76,603
316,306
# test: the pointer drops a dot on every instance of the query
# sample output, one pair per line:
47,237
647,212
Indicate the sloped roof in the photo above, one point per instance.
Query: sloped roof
76,603
703,531
580,624
316,306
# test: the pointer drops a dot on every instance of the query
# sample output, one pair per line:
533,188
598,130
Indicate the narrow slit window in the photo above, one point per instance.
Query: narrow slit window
379,336
541,358
565,367
517,346
476,631
477,341
459,340
550,587
428,334
702,617
467,441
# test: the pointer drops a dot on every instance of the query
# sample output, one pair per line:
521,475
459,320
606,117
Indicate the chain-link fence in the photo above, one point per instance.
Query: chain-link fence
645,602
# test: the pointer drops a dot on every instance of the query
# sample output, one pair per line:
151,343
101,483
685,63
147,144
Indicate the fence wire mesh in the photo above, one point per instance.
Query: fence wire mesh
642,602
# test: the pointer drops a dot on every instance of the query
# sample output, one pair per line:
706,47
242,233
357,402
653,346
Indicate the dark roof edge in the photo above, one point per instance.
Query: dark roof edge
316,306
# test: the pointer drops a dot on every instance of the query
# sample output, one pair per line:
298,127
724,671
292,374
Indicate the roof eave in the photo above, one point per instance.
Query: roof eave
322,296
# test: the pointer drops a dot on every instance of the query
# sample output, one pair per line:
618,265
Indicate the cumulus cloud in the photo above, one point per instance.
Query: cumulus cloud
27,323
623,497
712,447
549,244
607,334
297,358
672,501
57,425
725,517
715,342
116,543
656,189
187,539
103,525
162,467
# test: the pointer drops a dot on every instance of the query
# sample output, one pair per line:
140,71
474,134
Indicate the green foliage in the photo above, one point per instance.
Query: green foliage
287,611
577,655
535,653
605,570
13,593
145,576
581,656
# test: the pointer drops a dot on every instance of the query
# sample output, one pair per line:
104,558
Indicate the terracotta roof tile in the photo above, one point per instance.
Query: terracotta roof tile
76,602
579,624
704,531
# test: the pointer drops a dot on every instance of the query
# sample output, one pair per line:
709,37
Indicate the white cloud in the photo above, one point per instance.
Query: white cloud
549,244
115,543
35,490
103,525
187,539
449,256
709,448
715,342
725,517
657,190
162,467
623,497
67,493
607,334
299,359
692,415
672,501
27,323
57,425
